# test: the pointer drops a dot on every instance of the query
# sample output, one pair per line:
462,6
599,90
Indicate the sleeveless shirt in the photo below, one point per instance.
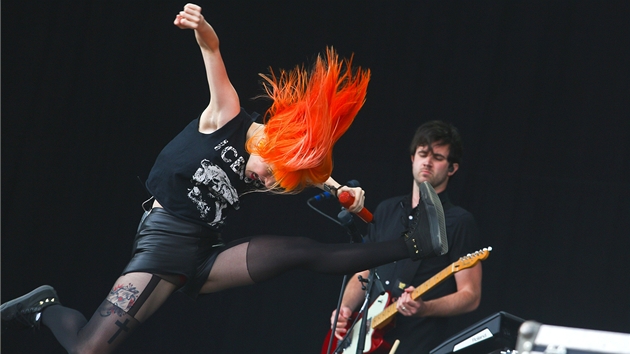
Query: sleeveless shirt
196,176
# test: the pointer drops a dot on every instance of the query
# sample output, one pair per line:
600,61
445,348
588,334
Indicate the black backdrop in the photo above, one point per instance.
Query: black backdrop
539,90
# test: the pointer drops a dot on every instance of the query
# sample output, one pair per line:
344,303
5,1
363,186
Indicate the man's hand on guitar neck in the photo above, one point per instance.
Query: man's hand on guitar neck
407,306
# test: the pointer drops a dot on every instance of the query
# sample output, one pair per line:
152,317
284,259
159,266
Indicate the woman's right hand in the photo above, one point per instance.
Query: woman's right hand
358,195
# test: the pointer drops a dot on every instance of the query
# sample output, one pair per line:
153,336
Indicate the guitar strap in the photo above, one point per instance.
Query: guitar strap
405,277
404,270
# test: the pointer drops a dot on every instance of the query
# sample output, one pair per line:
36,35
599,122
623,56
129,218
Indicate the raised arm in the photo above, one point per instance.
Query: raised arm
224,102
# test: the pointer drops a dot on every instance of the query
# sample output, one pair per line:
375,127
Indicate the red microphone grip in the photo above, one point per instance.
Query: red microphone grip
346,200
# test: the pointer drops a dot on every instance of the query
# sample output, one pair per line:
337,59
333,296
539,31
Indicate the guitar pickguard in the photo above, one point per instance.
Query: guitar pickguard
377,307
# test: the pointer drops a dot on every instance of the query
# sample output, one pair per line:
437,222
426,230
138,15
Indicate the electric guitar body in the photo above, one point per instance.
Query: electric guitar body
374,342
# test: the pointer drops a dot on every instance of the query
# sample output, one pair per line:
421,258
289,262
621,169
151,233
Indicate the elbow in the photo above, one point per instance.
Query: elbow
474,302
471,302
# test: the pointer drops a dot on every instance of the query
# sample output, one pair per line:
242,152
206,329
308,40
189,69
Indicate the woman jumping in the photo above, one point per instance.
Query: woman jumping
214,161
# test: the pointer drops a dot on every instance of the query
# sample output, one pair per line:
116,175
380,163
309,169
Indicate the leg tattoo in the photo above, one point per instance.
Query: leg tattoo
123,296
123,327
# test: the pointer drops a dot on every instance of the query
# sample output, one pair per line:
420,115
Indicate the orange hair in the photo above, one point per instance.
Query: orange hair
309,113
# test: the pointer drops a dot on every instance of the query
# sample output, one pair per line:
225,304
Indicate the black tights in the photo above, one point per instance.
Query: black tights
268,256
136,296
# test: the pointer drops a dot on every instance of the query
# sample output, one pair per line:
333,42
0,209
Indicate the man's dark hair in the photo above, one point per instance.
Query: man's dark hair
442,133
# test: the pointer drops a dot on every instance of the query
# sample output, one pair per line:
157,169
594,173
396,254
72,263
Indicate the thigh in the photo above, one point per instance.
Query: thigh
229,270
140,294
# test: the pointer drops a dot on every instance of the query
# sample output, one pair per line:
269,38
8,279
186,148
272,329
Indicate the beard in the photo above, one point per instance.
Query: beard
435,180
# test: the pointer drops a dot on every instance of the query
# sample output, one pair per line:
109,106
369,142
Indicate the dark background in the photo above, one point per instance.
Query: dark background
91,92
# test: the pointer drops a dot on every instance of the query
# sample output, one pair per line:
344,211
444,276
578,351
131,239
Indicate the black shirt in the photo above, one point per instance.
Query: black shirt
197,175
391,218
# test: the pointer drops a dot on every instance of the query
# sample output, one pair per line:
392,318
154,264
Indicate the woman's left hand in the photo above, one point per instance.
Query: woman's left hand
189,18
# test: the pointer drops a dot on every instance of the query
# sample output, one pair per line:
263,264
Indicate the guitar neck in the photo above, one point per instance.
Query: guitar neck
433,281
384,318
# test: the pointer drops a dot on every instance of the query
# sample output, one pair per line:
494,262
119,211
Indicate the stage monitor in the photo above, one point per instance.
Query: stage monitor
495,333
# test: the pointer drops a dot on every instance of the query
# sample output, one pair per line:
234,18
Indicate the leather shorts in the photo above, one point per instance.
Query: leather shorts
166,244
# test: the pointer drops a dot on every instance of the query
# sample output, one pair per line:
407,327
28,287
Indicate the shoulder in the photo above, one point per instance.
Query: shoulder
458,214
248,120
253,129
240,121
462,230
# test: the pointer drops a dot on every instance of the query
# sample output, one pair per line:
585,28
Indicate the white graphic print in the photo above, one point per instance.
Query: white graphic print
237,166
218,191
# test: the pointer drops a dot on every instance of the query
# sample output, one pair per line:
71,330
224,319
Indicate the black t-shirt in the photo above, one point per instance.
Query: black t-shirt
197,175
391,218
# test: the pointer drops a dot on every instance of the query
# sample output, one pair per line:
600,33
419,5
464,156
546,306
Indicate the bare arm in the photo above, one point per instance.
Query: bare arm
224,102
465,299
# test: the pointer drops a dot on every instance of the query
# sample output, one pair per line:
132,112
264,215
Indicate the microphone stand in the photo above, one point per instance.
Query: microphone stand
373,280
332,333
347,221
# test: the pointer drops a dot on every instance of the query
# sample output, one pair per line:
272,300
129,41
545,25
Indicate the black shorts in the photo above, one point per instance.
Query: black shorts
169,245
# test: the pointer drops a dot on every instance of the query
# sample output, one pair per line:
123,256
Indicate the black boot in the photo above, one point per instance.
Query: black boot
426,236
25,311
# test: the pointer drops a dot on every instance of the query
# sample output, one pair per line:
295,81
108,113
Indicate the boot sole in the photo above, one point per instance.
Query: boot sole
435,213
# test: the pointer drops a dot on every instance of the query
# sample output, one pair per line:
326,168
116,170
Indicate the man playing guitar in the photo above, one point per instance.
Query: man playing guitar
421,324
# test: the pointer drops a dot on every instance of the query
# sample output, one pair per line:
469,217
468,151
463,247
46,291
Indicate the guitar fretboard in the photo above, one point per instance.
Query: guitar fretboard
383,318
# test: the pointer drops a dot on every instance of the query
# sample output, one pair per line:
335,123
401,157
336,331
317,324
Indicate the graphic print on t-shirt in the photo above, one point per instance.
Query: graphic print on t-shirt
212,186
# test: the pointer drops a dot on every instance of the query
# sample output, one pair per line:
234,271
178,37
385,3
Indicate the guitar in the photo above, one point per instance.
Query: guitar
379,315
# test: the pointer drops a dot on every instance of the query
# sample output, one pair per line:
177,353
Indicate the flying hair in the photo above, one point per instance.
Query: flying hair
309,113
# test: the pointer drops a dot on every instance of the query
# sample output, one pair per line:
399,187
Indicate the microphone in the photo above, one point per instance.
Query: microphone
346,220
320,196
353,183
346,200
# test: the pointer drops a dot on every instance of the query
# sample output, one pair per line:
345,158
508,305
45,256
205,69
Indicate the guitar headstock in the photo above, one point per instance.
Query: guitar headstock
469,260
